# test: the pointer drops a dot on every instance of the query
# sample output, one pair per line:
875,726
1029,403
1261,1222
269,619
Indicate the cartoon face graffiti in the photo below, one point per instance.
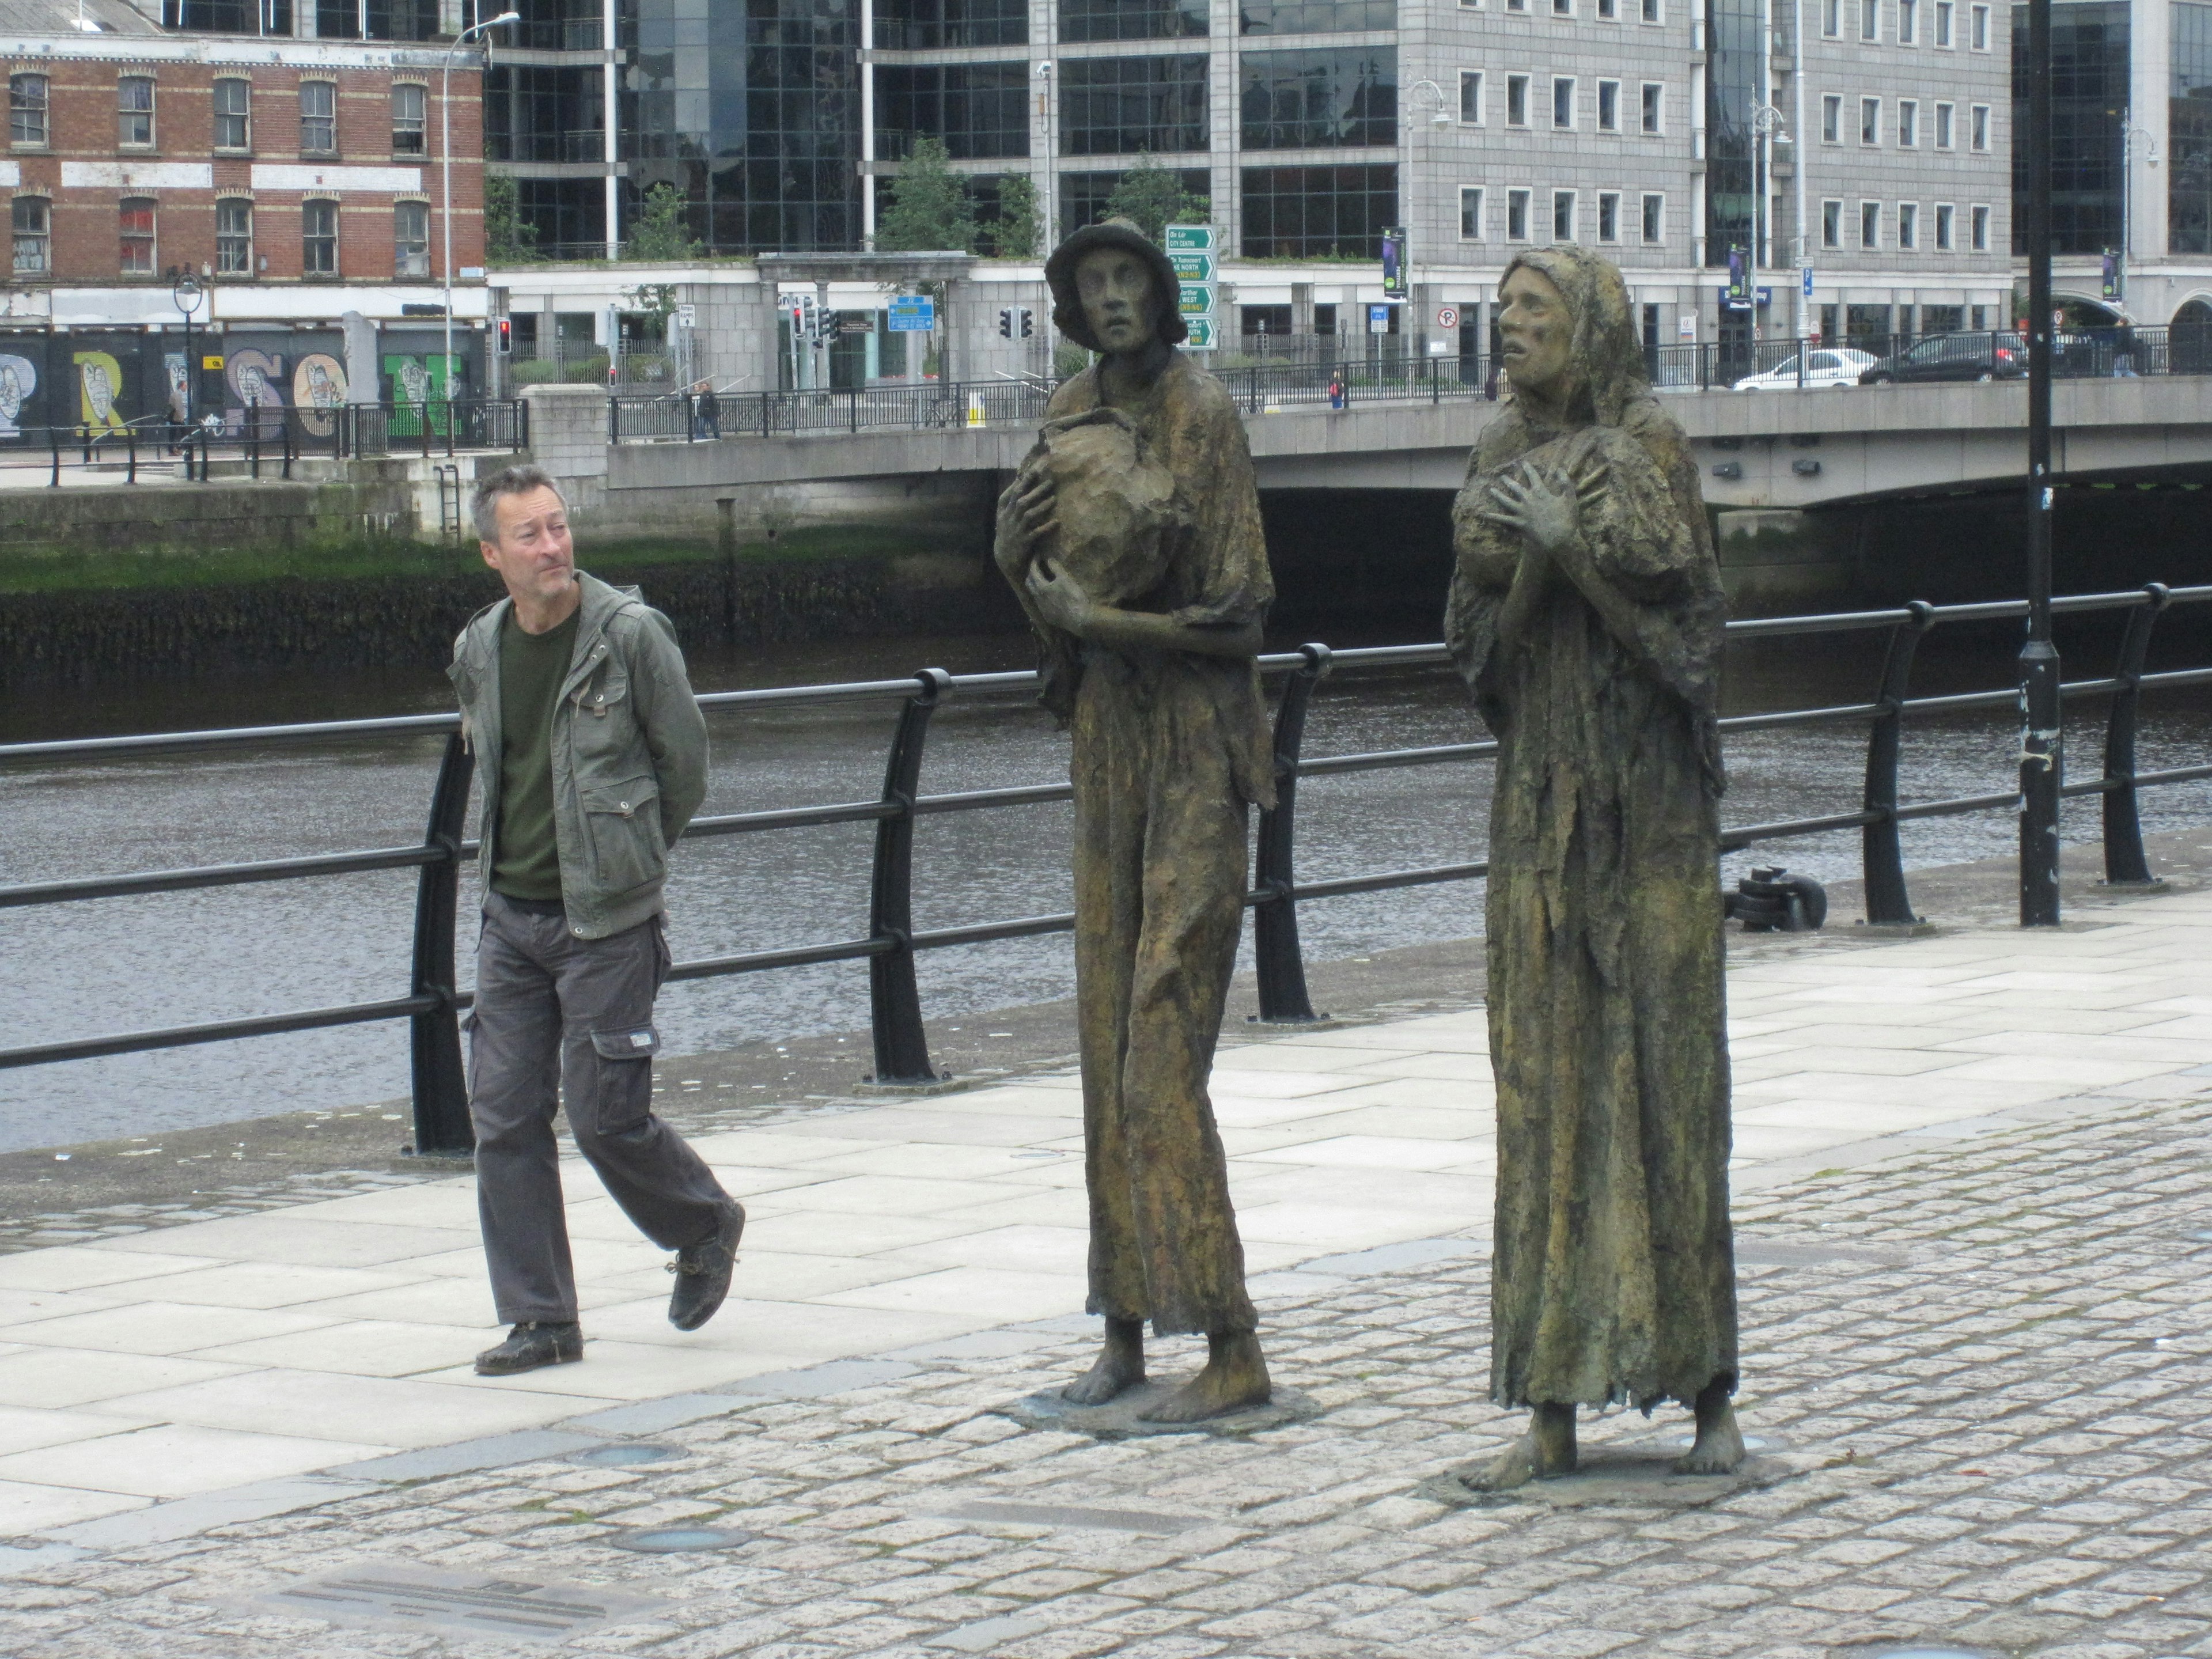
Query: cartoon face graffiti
180,397
99,380
318,388
414,380
18,381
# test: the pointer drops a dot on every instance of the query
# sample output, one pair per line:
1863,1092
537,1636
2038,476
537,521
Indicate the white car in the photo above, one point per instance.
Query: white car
1835,366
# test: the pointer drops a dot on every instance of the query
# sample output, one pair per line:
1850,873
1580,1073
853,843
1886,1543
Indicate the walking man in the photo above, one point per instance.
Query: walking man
593,756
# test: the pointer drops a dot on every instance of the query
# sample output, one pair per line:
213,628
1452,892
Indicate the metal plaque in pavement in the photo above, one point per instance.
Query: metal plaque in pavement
386,1595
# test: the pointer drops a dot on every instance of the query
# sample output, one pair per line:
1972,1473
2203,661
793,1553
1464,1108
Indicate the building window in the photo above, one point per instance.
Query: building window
134,110
1908,22
409,117
1651,13
976,110
1608,106
2188,132
1313,99
1869,120
1943,113
1563,8
1980,134
1608,11
1119,105
1470,98
1978,222
1831,224
1831,18
1470,212
1908,122
1908,225
1981,28
1654,218
319,239
1945,216
1112,19
410,239
318,117
1297,212
1517,100
1609,215
1563,100
234,237
1563,216
1653,93
1869,224
1309,16
135,219
31,217
1517,216
27,109
1869,20
1831,120
1943,10
232,128
1517,5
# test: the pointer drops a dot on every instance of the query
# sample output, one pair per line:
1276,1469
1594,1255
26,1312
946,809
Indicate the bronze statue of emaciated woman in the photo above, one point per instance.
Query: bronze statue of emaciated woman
1586,614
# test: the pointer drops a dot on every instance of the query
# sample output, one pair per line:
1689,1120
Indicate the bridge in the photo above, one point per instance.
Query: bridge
1783,450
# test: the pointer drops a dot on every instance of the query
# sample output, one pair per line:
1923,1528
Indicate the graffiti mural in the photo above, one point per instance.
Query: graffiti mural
178,378
417,381
319,390
99,386
18,381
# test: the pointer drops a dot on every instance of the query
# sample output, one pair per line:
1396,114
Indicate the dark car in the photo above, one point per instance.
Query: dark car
1954,358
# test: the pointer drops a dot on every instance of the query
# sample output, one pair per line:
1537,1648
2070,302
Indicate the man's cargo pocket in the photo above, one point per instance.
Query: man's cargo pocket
623,822
627,1043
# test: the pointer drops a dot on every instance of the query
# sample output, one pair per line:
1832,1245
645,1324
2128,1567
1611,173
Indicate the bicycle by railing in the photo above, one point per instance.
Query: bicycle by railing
889,946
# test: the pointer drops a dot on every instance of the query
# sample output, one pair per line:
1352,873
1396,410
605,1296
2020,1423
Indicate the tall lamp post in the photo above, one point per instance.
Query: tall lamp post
1766,125
186,294
446,163
2041,750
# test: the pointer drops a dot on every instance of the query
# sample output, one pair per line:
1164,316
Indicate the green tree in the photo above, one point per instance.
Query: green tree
660,232
930,211
509,239
1152,198
1014,232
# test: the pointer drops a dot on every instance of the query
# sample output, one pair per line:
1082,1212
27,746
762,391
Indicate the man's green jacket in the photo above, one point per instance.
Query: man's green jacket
629,753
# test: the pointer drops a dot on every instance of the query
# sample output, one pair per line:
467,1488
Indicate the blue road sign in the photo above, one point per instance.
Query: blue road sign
913,314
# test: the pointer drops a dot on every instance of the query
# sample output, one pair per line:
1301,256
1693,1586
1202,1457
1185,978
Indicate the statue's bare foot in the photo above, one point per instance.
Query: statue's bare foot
1718,1448
1235,1379
1545,1453
1120,1365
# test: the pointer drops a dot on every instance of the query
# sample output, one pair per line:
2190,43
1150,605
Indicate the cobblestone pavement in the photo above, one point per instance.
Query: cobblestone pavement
1986,1362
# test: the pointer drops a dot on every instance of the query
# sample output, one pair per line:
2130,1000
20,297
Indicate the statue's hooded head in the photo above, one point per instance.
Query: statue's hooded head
1060,272
1604,361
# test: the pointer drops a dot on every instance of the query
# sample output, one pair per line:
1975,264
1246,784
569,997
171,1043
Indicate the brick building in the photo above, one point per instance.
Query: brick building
299,181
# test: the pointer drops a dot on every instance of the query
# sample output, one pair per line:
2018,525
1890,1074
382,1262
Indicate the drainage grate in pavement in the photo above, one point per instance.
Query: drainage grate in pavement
679,1540
621,1456
382,1594
1069,1518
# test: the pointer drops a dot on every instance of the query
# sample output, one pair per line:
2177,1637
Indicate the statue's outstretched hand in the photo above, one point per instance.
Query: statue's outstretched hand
1026,510
1061,599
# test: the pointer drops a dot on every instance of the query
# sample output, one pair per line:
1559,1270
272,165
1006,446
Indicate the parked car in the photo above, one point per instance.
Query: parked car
1825,366
1954,358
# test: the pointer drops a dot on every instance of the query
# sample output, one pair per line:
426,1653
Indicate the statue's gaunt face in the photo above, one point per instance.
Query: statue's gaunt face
1116,288
1537,328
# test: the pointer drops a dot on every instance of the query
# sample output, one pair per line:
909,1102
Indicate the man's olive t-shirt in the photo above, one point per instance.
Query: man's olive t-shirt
531,669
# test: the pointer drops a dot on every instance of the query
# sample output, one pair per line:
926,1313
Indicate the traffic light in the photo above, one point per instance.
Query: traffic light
1015,323
1394,263
2113,277
805,317
505,337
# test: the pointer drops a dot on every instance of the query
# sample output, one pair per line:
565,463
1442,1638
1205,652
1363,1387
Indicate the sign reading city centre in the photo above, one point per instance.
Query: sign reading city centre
1190,250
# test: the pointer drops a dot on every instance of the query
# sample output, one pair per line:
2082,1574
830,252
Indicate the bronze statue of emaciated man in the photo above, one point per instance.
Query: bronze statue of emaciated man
1132,535
1586,614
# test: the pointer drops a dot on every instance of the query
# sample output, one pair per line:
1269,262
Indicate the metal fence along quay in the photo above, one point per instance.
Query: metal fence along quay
1389,374
432,1000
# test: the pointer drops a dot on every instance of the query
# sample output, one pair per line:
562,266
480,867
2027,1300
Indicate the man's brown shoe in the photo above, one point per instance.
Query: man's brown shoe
531,1343
703,1271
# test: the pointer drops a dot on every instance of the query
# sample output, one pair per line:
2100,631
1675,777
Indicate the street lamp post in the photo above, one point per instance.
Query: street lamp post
2041,750
2135,141
1766,125
446,163
186,294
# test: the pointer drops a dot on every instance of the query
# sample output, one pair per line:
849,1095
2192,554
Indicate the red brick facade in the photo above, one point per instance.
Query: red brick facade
85,170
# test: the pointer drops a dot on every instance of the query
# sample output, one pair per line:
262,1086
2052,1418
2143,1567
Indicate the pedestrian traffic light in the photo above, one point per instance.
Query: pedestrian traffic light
1394,263
1014,323
2113,277
505,336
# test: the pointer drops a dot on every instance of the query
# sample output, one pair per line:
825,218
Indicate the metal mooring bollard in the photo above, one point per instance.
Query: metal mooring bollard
1770,900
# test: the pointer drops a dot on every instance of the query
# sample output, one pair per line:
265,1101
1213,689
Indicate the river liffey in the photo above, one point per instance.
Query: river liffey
91,967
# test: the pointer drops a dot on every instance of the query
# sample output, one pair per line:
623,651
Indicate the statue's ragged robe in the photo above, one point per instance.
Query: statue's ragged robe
1613,1265
1170,750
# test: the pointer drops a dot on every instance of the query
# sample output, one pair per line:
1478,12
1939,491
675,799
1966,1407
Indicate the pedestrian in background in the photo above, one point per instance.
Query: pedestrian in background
594,757
709,409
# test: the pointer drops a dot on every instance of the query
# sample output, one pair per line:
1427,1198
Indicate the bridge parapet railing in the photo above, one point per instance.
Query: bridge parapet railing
266,439
890,942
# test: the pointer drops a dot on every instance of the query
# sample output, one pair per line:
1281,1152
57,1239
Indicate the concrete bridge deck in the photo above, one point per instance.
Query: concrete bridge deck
1968,1167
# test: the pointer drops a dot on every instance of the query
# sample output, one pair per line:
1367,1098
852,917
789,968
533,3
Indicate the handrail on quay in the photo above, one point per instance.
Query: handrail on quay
434,1000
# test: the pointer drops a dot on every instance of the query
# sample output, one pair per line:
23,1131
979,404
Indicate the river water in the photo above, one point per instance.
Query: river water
121,964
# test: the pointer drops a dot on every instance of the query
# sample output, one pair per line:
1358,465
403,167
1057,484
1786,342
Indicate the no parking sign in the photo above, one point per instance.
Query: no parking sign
1446,317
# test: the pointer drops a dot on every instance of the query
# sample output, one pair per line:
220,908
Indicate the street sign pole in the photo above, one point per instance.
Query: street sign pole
1191,251
2042,757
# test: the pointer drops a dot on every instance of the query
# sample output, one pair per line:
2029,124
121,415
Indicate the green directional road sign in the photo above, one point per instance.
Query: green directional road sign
1195,299
1201,333
1193,267
1189,238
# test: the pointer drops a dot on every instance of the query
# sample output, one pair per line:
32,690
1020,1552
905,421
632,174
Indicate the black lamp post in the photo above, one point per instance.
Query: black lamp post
186,294
2041,757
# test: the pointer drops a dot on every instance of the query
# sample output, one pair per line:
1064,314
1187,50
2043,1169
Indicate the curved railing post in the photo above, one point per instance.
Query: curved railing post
442,1089
1882,859
2125,863
893,1002
1281,967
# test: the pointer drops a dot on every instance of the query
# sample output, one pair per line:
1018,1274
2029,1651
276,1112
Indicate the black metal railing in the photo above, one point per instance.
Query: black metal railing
265,441
889,946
